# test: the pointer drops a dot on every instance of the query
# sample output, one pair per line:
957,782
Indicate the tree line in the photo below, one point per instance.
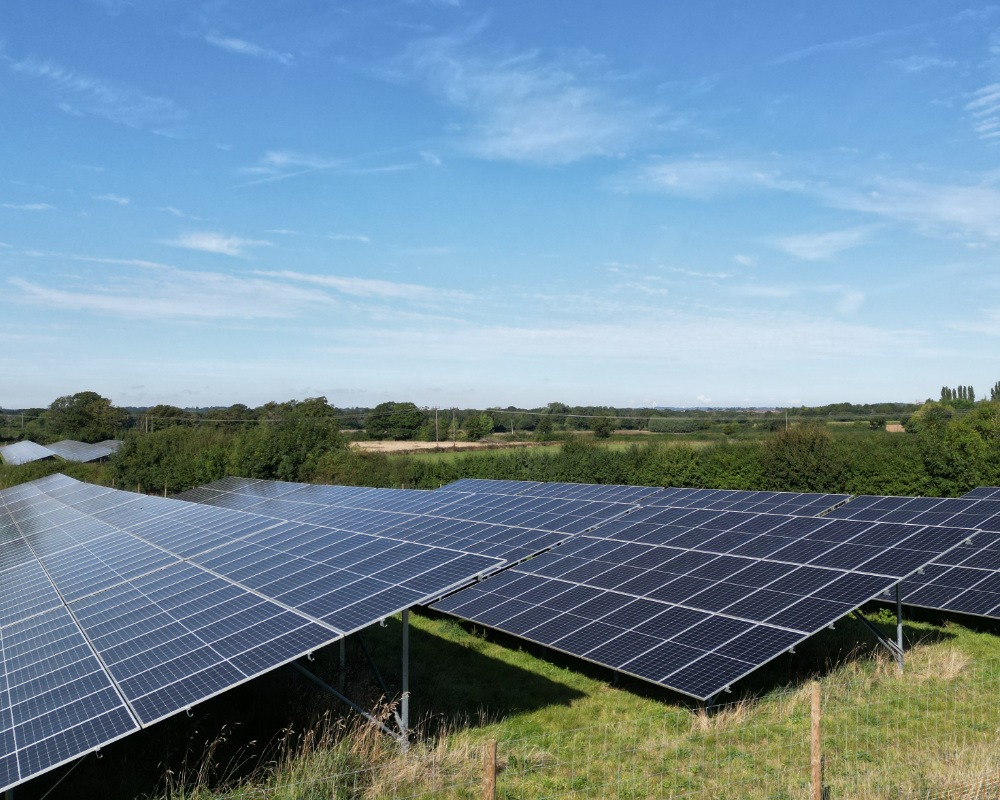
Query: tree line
947,450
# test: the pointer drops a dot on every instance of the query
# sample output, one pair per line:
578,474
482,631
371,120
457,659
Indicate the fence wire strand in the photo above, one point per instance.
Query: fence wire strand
925,735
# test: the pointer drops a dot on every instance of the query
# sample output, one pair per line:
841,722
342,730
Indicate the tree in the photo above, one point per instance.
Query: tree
163,416
876,423
801,459
602,427
544,427
394,421
478,426
85,416
287,447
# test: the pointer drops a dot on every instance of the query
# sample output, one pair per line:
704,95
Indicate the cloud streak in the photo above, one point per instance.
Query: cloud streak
84,94
823,246
175,294
373,288
245,48
524,108
29,206
219,243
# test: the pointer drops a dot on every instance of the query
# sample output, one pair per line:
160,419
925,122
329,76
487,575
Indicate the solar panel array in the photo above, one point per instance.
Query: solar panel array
67,449
696,599
117,609
793,503
24,453
983,493
84,452
505,526
966,580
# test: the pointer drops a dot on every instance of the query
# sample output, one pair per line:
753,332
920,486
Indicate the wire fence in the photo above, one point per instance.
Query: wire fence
926,734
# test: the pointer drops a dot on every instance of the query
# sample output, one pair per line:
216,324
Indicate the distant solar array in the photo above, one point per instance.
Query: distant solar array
117,609
793,503
24,453
67,449
508,527
696,599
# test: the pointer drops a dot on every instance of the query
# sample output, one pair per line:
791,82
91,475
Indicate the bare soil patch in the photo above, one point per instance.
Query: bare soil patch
895,427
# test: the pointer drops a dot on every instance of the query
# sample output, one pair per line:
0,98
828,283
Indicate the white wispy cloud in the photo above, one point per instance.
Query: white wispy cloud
372,288
821,246
245,48
84,94
349,237
178,213
923,63
852,43
29,206
706,177
215,242
718,276
984,109
524,107
778,340
113,198
932,207
168,293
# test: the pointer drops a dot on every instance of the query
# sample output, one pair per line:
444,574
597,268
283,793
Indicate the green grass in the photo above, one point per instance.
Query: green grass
566,729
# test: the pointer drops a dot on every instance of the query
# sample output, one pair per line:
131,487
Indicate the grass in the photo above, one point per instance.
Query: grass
567,729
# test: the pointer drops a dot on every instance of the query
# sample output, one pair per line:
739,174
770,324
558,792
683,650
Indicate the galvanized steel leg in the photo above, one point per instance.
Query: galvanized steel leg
899,625
404,722
325,686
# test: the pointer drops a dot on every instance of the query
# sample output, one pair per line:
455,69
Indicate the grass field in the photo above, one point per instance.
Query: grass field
568,729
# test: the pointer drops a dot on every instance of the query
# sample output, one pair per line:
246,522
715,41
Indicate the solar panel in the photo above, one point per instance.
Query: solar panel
505,526
71,450
793,503
117,610
695,599
490,486
56,700
966,579
983,493
567,491
24,453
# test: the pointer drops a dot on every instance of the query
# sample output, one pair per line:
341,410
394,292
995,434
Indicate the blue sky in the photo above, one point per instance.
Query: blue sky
465,204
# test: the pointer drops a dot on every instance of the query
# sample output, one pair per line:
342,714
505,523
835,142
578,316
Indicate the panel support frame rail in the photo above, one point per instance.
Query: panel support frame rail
345,699
894,647
402,716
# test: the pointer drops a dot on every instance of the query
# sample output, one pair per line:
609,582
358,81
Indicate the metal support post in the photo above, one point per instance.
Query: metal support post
378,677
889,644
404,722
899,617
342,664
326,687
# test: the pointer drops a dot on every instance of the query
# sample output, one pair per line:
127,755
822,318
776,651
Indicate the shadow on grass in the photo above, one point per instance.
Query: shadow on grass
452,685
826,651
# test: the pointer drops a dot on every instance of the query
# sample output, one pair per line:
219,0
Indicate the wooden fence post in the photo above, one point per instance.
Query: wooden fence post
490,770
817,755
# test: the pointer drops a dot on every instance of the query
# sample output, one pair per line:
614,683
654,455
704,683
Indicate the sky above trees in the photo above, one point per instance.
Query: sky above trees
464,204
